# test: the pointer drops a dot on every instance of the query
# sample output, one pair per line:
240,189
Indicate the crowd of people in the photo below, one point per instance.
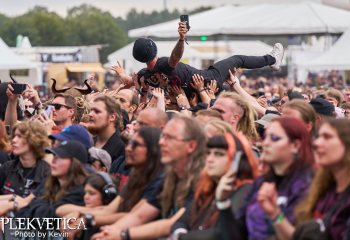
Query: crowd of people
174,152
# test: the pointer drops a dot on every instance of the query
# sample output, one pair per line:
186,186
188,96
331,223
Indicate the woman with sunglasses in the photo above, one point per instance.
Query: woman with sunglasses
201,220
144,183
288,153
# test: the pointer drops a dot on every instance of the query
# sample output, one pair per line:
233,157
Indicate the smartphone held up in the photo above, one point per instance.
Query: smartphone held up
185,19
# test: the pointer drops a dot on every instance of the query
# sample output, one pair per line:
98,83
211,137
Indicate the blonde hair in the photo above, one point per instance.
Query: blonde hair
246,123
221,126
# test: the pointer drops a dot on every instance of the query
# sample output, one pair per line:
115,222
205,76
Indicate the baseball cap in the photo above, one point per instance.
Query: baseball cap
70,149
102,155
266,118
144,50
322,106
74,132
295,95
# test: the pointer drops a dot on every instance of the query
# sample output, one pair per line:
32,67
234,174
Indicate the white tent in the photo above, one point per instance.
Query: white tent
337,57
196,53
11,61
261,19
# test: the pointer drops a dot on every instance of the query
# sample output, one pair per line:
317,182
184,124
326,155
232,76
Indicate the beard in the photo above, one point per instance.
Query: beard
95,130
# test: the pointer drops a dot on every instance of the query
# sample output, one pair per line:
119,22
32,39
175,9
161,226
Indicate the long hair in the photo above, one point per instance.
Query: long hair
324,179
112,107
246,123
205,188
76,176
35,135
97,182
306,111
175,190
141,177
295,129
4,140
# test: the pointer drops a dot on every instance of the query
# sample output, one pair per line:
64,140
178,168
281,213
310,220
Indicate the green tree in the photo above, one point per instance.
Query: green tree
41,26
89,25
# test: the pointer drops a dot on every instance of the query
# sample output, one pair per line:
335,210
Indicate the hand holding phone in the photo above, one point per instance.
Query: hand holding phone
185,19
47,112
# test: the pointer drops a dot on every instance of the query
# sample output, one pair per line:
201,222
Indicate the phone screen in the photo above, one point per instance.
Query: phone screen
236,161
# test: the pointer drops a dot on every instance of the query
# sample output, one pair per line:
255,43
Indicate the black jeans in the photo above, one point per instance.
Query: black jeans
220,69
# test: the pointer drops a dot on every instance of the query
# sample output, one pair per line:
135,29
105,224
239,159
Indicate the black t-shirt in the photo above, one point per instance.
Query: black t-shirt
115,146
4,157
181,75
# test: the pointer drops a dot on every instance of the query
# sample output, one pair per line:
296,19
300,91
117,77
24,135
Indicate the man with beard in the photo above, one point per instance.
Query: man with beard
104,122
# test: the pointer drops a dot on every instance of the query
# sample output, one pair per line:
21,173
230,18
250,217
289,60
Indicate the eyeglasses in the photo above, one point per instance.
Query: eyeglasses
273,137
58,106
134,144
168,137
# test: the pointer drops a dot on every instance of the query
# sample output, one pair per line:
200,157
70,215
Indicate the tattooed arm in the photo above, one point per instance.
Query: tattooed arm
178,50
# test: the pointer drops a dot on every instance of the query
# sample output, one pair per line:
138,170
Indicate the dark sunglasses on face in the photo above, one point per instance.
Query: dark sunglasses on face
58,106
273,137
134,144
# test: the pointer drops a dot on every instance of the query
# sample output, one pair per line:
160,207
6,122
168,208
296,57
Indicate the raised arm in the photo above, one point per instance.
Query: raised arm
233,81
178,50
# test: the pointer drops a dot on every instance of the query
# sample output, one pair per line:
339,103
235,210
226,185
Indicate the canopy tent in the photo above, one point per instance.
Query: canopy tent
9,60
197,53
336,58
261,19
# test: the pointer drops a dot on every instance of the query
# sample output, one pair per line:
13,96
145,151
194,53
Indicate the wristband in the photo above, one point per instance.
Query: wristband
38,106
125,234
222,205
12,198
15,206
202,90
279,218
181,40
178,232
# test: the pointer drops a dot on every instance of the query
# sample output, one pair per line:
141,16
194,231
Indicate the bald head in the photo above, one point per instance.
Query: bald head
151,117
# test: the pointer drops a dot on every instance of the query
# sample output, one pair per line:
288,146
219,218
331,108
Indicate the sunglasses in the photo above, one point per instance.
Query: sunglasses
134,144
273,137
58,106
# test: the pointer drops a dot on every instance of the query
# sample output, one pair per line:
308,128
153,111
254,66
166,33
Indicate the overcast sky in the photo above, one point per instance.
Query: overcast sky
116,7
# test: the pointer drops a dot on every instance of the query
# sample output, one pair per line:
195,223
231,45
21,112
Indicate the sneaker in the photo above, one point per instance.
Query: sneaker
277,53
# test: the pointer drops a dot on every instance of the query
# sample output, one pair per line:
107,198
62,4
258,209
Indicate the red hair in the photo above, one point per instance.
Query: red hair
296,130
205,188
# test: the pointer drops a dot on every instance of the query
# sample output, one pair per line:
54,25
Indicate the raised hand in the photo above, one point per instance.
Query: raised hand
31,94
177,90
120,71
182,30
225,187
197,82
213,86
267,198
233,78
158,93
